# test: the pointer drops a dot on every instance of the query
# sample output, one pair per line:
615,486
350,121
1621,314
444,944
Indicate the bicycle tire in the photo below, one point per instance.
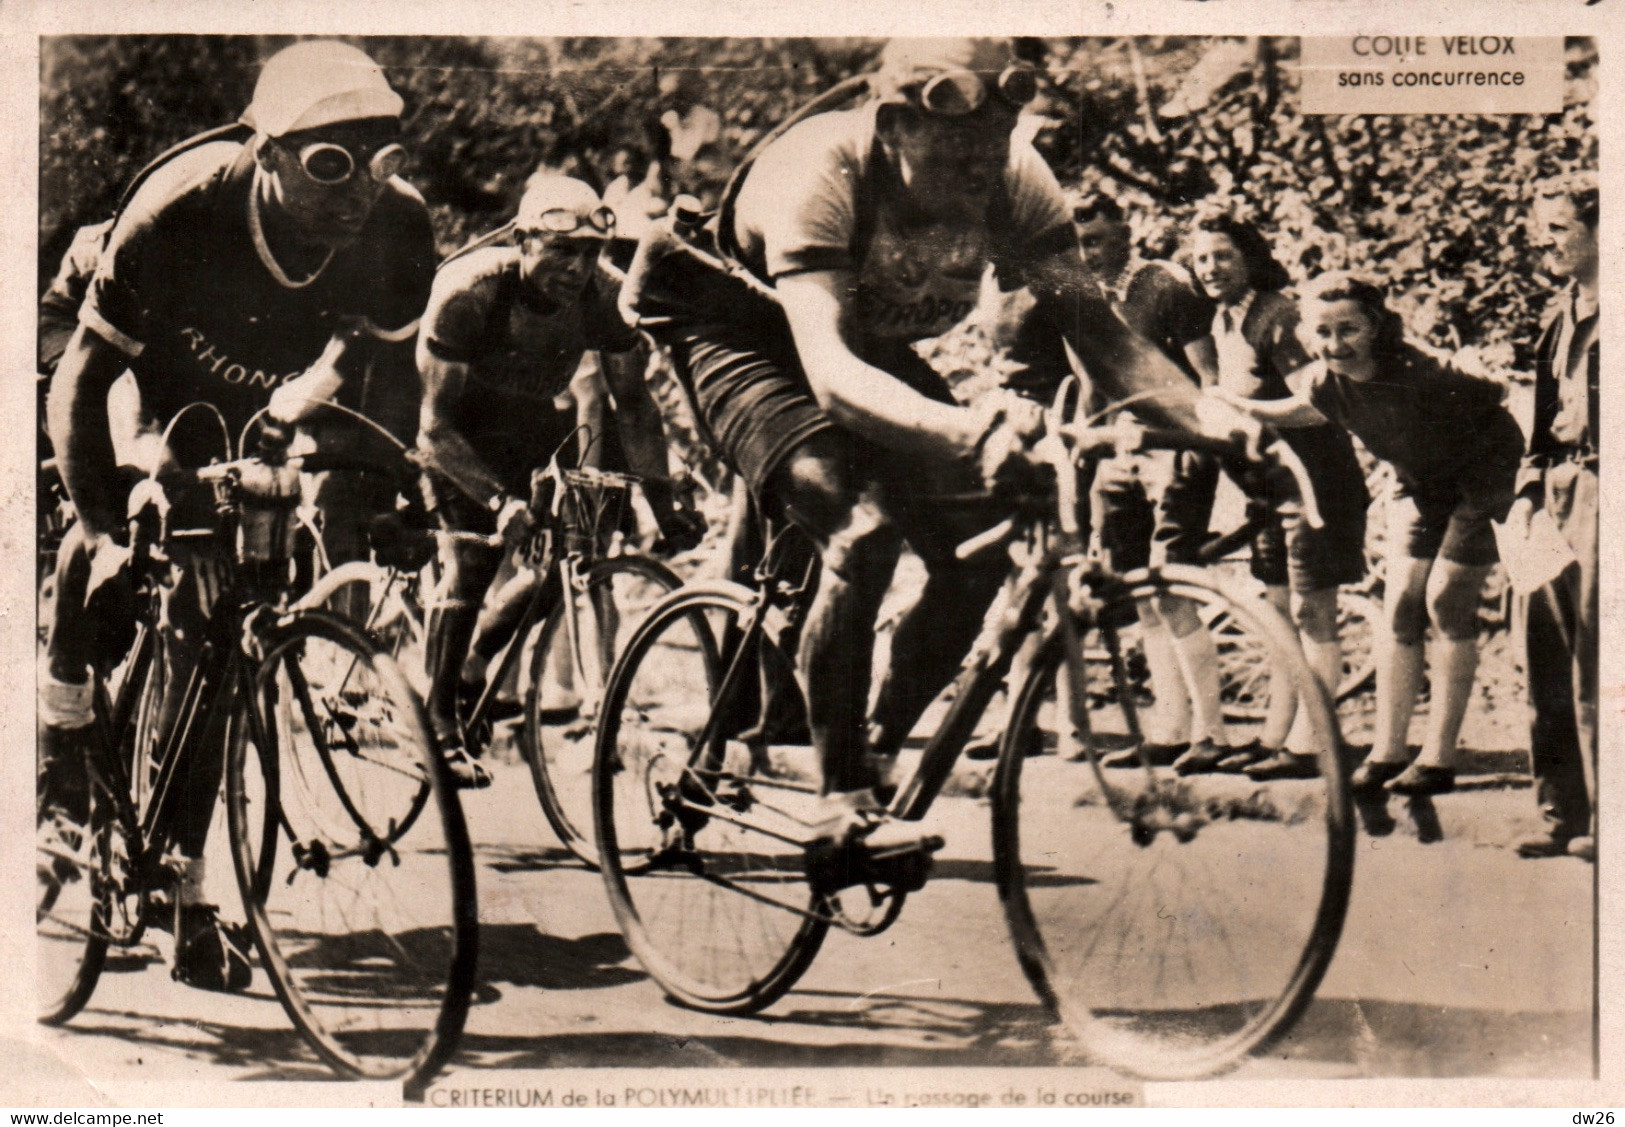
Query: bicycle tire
559,748
379,600
389,611
691,892
70,915
1175,924
377,978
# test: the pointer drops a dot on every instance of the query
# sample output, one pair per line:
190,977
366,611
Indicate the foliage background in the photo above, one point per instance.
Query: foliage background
1434,204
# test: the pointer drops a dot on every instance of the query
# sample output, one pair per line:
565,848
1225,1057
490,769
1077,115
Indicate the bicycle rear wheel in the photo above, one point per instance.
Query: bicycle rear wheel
701,835
365,926
569,666
1175,924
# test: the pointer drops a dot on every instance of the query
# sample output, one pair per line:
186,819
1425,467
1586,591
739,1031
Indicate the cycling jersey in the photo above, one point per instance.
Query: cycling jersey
824,197
519,348
188,290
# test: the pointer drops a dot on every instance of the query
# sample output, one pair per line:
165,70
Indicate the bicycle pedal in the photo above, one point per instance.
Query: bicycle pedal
900,866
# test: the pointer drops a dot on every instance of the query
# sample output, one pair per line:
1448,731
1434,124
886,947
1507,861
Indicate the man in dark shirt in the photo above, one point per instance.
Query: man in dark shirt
234,267
1559,475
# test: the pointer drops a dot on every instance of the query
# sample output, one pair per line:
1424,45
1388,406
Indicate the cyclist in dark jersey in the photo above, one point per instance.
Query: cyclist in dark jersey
504,332
872,227
235,267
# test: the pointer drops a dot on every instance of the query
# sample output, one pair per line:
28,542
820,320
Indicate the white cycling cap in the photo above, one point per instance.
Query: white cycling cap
319,82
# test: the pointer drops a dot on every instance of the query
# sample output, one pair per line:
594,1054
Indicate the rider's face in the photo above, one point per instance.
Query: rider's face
1104,246
952,165
1219,266
1340,333
557,267
326,214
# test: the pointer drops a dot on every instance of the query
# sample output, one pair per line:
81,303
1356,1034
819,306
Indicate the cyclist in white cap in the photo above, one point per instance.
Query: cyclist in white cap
504,332
873,227
240,261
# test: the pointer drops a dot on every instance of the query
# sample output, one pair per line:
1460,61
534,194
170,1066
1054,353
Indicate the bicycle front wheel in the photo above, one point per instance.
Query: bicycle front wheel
367,930
1175,923
701,833
569,666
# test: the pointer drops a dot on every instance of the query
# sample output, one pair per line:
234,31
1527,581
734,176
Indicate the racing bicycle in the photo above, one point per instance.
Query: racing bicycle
350,853
1174,924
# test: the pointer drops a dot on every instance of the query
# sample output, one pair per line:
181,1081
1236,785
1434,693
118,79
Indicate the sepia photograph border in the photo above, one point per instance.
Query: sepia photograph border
34,1077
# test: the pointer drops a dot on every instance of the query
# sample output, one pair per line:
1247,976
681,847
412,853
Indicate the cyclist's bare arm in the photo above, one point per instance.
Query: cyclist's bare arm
858,396
592,407
443,384
1293,411
1119,362
77,415
643,433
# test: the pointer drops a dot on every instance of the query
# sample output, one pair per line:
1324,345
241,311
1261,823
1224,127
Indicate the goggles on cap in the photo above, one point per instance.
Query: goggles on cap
328,163
956,93
566,221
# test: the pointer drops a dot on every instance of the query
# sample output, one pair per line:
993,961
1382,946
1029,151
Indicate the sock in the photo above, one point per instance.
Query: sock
65,706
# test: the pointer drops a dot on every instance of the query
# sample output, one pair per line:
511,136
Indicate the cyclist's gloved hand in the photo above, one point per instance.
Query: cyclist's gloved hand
681,528
1009,426
514,521
275,437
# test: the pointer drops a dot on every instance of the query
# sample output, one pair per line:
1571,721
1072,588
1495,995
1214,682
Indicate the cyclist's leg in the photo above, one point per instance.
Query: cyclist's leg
1129,489
208,953
65,711
935,633
859,548
466,572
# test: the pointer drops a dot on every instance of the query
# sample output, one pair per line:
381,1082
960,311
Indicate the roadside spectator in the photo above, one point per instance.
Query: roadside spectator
1559,478
1249,353
1455,450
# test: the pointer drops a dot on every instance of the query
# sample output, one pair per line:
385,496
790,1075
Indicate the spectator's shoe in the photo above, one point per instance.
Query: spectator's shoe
1240,758
1584,847
1203,758
1283,765
1371,778
1157,755
1554,843
466,771
1424,779
210,955
987,747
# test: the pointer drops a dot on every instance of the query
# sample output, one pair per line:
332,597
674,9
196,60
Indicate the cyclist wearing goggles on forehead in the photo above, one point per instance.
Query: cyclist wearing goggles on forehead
873,227
234,266
505,331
